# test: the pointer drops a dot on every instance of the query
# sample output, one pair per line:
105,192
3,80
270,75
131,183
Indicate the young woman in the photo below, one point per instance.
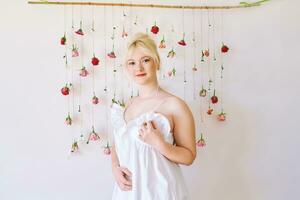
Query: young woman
153,133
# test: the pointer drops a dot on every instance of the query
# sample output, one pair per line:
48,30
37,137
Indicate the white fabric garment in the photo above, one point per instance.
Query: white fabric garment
154,177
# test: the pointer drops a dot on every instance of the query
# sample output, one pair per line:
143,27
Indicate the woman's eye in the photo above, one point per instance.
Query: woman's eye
146,60
131,63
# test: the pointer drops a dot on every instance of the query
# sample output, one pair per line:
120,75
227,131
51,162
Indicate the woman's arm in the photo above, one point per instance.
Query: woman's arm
114,157
184,134
122,175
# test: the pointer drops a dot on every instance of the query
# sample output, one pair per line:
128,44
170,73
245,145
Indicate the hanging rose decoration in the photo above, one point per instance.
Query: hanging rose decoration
95,60
122,103
202,92
93,136
182,42
111,54
222,116
68,120
171,53
224,48
74,147
95,99
194,68
79,31
172,72
107,150
114,101
75,52
214,98
162,43
63,40
154,29
83,72
201,142
65,90
206,52
210,110
124,33
202,56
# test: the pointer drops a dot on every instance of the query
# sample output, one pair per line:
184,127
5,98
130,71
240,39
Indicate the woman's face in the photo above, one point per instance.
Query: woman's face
140,66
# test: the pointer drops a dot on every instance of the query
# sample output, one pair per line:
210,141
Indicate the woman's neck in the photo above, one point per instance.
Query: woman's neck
149,90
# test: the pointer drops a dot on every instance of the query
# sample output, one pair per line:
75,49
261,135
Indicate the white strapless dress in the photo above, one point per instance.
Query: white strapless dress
154,177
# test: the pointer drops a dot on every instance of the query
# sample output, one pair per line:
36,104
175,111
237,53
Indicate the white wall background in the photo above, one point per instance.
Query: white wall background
253,156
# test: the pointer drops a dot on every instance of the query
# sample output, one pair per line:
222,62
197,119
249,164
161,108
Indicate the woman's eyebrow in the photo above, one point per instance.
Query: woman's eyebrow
145,57
131,59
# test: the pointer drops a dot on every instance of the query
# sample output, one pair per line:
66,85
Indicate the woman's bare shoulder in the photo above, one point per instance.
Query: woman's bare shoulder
175,103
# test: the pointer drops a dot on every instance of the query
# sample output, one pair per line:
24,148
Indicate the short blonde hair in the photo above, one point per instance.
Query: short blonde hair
144,41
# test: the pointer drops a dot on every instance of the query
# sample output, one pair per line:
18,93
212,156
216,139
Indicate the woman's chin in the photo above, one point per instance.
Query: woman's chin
141,81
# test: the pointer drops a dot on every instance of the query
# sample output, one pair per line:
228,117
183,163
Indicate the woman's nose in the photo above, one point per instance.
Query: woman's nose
140,67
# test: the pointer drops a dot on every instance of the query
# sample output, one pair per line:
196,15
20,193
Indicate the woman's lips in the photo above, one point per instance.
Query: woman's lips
141,75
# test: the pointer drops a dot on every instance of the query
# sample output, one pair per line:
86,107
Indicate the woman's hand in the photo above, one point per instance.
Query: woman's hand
123,178
149,134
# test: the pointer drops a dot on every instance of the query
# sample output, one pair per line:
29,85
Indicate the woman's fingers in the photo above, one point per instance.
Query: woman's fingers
124,187
146,127
149,125
125,178
153,124
126,171
142,131
124,181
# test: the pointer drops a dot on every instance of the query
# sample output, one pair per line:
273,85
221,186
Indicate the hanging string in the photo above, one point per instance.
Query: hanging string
114,60
131,33
201,67
72,19
173,60
66,63
171,53
72,71
105,68
105,75
130,18
68,81
214,47
124,35
222,64
208,59
72,64
93,70
66,58
201,49
213,35
184,70
80,79
194,68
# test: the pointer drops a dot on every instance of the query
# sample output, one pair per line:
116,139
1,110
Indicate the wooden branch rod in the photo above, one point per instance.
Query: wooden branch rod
139,5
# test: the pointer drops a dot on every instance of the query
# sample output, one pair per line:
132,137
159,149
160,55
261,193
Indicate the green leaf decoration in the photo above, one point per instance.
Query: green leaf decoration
250,4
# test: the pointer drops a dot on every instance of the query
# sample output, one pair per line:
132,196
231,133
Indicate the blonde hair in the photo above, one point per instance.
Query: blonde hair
144,41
